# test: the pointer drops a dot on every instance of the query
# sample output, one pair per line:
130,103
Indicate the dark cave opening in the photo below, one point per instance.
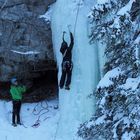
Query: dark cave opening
44,86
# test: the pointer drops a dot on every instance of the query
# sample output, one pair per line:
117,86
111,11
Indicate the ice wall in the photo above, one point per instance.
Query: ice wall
75,105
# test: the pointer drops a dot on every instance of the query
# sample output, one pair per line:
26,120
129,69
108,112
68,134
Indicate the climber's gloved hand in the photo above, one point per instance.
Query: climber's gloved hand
69,27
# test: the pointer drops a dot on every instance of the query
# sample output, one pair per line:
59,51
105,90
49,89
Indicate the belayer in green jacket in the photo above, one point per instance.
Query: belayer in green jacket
16,93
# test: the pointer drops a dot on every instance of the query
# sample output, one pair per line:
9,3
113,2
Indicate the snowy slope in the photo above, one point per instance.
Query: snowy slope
75,105
48,121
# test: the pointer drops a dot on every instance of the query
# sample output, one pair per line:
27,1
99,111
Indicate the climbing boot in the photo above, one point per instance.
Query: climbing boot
67,87
19,123
13,124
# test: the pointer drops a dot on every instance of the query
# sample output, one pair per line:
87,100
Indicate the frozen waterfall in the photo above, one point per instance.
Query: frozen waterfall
75,105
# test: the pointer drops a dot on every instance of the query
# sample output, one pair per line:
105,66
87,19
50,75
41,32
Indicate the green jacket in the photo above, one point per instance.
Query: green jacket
17,91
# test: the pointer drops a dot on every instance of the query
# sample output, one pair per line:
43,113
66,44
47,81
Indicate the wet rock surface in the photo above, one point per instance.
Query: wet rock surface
25,39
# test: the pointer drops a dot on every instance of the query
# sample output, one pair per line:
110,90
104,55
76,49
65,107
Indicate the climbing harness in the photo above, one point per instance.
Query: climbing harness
67,65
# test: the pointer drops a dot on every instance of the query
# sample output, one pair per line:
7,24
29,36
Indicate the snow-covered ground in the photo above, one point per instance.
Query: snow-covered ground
30,112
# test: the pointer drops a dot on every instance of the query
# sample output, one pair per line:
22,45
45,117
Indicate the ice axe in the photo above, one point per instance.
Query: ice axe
69,27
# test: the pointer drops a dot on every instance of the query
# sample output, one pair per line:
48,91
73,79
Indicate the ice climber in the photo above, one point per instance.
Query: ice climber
16,93
67,64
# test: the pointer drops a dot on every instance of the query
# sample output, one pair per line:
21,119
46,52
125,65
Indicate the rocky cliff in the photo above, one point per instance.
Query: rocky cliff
25,39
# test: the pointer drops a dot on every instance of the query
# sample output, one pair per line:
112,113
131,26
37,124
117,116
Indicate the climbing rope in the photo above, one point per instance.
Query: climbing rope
39,114
78,62
78,9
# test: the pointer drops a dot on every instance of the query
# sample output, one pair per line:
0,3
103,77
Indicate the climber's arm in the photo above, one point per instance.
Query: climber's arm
63,43
71,41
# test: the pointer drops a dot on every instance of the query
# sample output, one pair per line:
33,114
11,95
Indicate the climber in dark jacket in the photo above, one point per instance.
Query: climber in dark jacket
67,64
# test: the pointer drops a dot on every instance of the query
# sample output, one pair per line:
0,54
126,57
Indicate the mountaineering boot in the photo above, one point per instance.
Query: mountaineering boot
19,123
67,87
61,87
14,124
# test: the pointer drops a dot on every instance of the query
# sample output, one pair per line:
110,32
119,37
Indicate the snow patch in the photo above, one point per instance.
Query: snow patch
106,82
128,136
102,1
126,8
131,83
26,53
137,41
47,15
100,120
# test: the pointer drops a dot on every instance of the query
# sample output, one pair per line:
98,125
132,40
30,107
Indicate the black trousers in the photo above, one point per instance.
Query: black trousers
16,112
65,78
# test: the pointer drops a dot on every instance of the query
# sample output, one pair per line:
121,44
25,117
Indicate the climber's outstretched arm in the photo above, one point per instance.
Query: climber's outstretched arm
63,44
71,41
63,36
71,38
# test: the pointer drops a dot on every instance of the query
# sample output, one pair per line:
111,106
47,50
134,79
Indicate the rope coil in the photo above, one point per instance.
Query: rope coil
40,113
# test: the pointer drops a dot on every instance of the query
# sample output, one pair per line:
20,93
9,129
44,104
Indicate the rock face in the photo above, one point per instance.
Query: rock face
25,38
